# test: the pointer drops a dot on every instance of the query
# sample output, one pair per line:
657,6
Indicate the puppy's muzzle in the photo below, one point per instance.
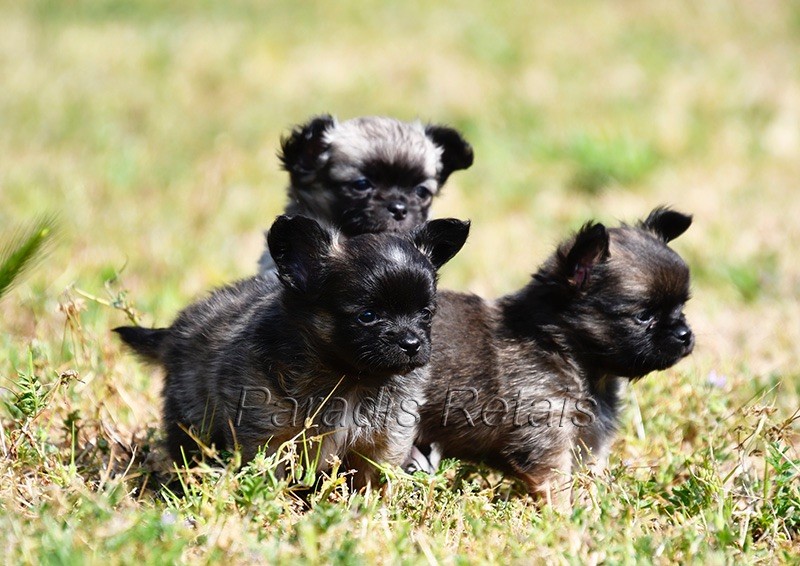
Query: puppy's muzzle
410,344
398,210
683,334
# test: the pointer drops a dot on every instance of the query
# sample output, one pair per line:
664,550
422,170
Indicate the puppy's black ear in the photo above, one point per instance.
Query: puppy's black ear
146,342
299,246
441,239
301,149
588,250
456,152
667,224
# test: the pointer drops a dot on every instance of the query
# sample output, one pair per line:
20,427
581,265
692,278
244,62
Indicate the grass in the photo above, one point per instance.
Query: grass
21,252
151,130
599,162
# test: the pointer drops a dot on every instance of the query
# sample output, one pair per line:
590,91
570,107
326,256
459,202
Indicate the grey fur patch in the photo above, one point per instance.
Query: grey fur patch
361,140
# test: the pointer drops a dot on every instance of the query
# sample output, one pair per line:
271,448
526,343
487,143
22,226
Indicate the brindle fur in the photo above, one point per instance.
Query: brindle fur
530,383
246,366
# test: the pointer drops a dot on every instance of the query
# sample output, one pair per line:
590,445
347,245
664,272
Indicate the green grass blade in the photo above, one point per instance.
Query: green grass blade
23,250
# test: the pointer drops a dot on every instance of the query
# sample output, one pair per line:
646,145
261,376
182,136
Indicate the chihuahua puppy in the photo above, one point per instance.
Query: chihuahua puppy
336,350
369,174
531,383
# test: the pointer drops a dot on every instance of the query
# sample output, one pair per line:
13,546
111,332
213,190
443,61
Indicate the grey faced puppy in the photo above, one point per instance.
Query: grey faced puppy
530,383
342,343
368,175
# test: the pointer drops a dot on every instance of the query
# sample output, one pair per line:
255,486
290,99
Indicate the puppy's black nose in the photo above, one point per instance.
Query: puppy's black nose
683,333
398,210
409,344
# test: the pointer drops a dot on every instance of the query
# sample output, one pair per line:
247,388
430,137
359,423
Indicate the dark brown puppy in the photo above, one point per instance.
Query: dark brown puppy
368,175
530,382
340,342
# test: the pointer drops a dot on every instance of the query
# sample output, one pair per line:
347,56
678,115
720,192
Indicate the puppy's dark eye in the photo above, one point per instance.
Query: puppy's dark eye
361,185
423,192
427,315
644,318
367,317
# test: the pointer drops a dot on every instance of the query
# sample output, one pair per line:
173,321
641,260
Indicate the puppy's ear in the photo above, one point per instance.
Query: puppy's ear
441,239
667,224
299,246
588,250
456,152
301,149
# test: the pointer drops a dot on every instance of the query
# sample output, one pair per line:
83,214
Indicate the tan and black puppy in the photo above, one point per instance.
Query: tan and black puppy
368,175
531,382
341,342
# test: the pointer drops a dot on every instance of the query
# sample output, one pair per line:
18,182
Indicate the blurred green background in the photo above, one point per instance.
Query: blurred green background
152,129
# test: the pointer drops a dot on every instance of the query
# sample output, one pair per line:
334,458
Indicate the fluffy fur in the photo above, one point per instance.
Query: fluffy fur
530,383
349,319
368,175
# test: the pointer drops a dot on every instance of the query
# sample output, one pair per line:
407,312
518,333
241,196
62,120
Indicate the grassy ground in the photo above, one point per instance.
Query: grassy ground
151,128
